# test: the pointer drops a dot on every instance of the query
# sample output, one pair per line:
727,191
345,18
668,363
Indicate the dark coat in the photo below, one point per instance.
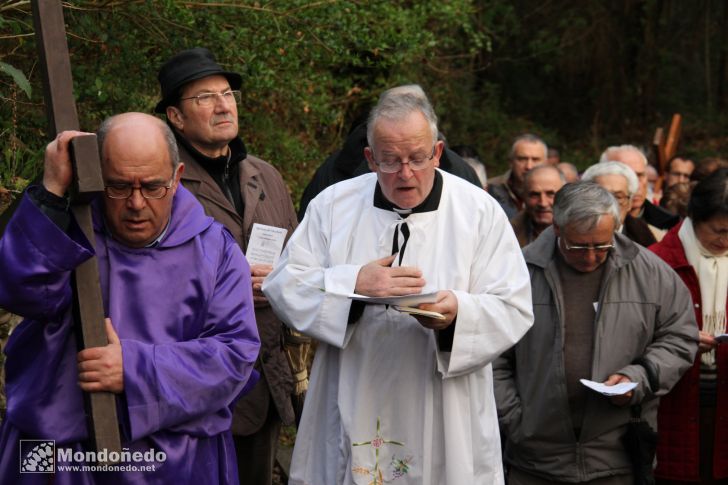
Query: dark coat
636,229
658,217
678,450
266,201
349,162
523,228
499,188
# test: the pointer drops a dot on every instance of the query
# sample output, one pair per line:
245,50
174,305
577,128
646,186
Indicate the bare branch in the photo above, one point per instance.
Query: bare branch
13,6
16,36
230,5
309,6
10,100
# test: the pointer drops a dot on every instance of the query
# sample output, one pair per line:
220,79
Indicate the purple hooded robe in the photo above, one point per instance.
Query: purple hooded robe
184,313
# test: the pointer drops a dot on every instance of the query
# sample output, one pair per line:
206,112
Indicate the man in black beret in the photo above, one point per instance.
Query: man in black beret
200,100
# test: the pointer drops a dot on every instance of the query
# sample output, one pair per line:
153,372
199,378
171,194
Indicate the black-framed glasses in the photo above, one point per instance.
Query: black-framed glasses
576,248
394,166
209,99
148,191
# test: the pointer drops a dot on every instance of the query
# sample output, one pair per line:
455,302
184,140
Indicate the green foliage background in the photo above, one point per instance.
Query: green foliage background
581,74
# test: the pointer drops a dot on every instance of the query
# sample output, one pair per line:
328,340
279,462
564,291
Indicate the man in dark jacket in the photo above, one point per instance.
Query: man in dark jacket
237,189
541,184
606,310
527,151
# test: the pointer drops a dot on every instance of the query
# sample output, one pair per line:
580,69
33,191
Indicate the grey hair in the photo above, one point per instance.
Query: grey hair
529,175
613,168
528,138
568,167
397,103
582,204
108,124
608,154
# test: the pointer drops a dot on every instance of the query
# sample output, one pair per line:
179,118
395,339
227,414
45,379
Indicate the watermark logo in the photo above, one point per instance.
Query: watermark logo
42,456
37,456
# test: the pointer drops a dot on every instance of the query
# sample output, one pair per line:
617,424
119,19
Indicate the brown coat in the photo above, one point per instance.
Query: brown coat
267,201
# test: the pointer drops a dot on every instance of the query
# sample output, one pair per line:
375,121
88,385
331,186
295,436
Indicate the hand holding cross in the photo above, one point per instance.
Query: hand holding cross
57,166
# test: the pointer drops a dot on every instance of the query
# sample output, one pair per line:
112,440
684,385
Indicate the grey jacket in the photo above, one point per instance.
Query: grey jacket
644,309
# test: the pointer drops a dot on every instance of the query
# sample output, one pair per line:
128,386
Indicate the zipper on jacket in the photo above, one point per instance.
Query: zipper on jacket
226,178
581,472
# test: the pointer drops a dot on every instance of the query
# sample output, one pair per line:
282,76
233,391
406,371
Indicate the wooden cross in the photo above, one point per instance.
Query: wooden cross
665,148
50,35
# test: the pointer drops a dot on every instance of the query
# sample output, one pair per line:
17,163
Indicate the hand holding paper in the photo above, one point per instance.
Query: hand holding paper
264,248
707,342
446,305
411,304
414,311
615,390
721,337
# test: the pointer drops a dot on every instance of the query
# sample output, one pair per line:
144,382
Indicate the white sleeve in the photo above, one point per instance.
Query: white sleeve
304,291
496,311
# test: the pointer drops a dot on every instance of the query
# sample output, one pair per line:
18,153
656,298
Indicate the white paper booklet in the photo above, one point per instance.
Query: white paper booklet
265,245
403,301
416,311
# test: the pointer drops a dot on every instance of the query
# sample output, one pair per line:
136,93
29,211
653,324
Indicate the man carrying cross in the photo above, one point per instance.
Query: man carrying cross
180,322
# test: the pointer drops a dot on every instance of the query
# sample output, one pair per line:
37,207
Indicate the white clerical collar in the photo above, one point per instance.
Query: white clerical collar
431,202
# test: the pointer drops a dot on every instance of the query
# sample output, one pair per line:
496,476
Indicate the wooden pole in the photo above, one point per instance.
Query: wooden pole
89,309
673,137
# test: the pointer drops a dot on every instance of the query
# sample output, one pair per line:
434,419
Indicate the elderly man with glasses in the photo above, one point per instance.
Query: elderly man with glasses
605,310
402,395
658,219
623,184
200,100
182,339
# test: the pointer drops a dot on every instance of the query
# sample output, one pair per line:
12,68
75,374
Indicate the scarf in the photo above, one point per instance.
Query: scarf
712,271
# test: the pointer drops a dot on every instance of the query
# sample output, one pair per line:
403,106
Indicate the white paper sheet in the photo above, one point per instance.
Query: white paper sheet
265,244
615,390
407,300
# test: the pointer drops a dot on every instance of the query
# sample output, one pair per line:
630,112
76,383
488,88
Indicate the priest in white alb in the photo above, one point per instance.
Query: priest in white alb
395,397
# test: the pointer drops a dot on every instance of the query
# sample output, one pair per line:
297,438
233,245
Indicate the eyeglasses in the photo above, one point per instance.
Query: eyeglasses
148,191
599,248
209,99
621,197
394,166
